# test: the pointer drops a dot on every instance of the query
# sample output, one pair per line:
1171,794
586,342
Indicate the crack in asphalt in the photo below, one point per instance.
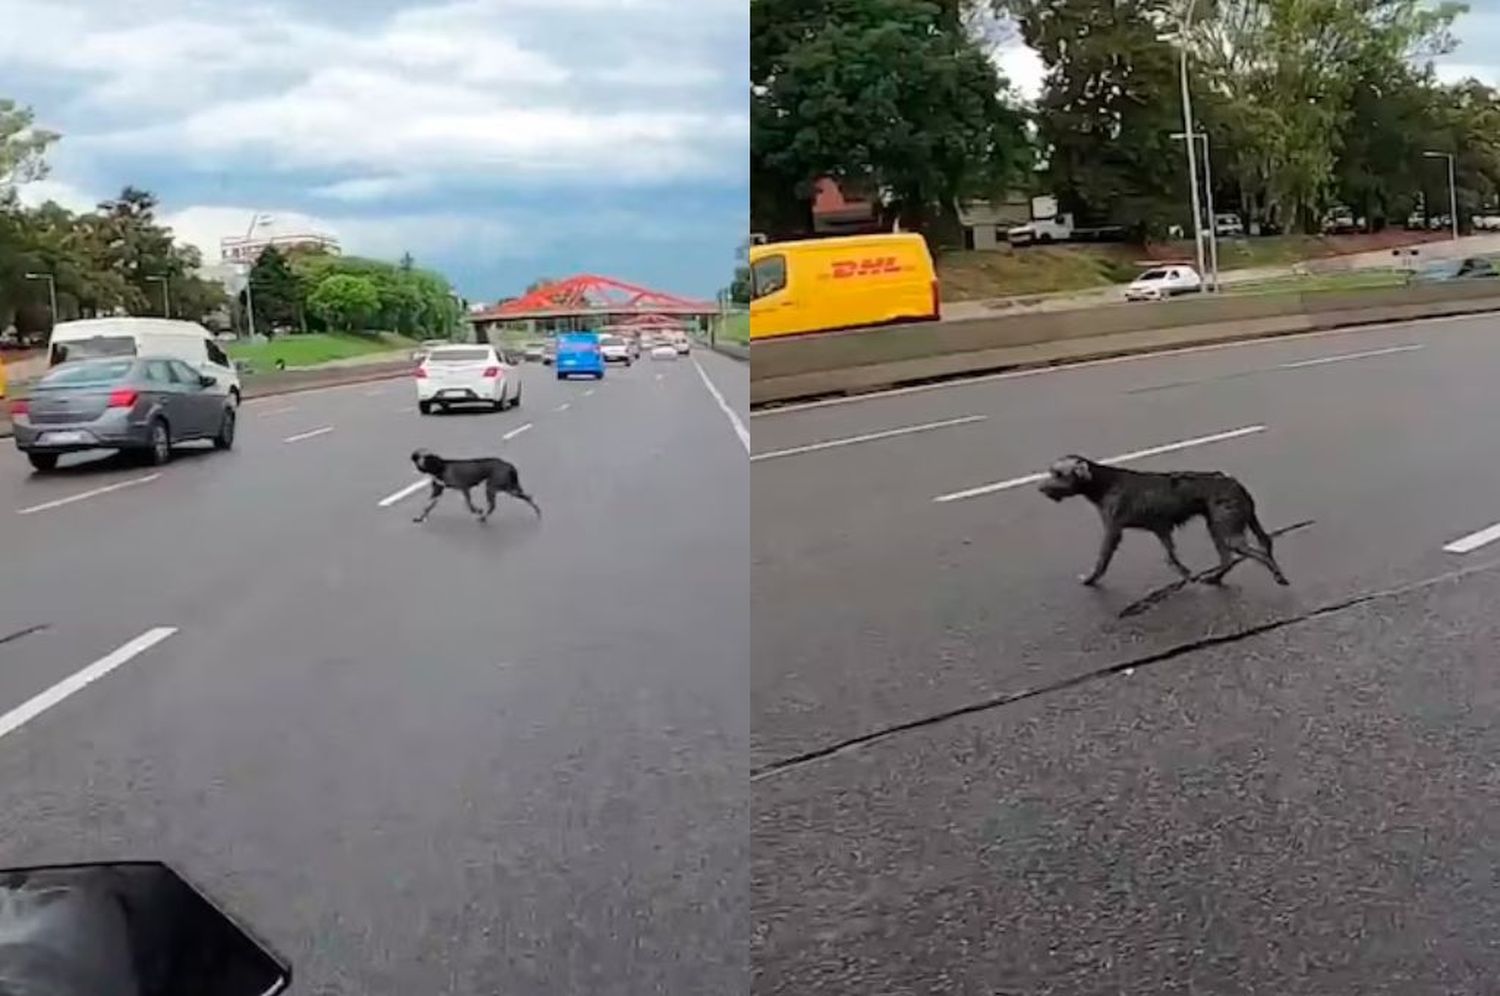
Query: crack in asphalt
1145,660
18,634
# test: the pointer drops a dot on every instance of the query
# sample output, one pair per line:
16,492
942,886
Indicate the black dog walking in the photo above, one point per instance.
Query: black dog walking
497,475
1160,503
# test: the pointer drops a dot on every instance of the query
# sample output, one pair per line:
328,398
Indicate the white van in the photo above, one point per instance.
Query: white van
186,341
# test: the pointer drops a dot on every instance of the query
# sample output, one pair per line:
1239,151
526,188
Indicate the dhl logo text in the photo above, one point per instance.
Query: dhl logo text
843,269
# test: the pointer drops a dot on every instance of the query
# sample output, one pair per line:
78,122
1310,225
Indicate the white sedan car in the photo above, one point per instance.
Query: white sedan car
455,375
664,351
1162,282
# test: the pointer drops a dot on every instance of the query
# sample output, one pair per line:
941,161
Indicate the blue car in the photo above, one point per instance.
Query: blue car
579,354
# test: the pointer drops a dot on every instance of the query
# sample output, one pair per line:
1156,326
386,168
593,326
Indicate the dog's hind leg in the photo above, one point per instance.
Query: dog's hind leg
1107,548
1239,544
489,494
1226,557
434,495
516,491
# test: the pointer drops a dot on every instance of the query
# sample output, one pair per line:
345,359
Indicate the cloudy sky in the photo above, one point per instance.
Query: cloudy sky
496,140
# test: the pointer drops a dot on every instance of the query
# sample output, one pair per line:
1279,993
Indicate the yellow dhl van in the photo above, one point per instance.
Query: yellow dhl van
821,284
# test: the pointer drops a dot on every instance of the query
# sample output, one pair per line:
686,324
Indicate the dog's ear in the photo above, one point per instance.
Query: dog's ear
1072,468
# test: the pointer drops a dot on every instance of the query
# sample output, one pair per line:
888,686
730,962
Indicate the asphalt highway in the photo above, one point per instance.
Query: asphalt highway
973,777
437,758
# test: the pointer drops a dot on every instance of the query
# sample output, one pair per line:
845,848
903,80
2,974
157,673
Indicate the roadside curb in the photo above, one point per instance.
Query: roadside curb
771,392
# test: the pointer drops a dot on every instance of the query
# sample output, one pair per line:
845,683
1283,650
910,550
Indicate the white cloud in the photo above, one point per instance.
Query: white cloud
607,91
39,192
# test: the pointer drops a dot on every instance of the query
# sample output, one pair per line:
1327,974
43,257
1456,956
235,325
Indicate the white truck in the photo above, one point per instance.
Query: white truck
1059,228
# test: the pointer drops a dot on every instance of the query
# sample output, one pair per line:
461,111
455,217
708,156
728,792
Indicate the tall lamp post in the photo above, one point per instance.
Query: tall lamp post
166,298
1452,188
51,291
1208,193
1187,127
256,220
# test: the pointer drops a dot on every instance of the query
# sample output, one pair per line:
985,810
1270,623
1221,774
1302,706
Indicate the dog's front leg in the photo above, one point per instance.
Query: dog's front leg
1107,547
1171,548
434,495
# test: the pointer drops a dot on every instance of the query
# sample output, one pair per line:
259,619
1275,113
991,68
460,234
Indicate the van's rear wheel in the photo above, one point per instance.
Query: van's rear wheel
43,462
225,439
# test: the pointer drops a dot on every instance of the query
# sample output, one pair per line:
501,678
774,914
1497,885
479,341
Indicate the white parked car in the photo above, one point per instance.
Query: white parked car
91,338
1162,282
1228,224
664,351
455,375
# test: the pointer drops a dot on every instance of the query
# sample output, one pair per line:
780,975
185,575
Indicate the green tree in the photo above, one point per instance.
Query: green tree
276,292
891,96
23,146
1108,108
345,302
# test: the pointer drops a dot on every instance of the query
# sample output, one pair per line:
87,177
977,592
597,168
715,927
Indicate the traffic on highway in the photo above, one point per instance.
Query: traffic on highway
428,758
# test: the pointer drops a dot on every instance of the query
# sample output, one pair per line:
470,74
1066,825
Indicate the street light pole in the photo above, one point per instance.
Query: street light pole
1452,189
1187,127
166,298
255,220
51,291
1208,192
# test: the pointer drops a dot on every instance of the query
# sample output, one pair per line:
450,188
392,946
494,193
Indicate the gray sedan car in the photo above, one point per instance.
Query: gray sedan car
144,404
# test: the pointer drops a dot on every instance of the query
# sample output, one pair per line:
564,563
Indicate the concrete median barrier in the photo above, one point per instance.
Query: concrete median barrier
849,362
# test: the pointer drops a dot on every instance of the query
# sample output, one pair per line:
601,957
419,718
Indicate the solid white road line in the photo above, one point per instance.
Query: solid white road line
1017,482
373,392
1108,361
307,435
1341,357
512,434
410,489
734,419
563,407
1473,541
79,680
867,437
44,506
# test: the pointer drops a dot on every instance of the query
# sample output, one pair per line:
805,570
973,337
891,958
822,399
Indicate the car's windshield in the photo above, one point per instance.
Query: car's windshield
87,373
1152,275
99,345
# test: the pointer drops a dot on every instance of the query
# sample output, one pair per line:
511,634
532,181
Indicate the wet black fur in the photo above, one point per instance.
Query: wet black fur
1160,503
498,477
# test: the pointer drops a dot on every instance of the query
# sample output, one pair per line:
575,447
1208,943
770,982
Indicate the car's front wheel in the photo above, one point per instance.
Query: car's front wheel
43,461
225,438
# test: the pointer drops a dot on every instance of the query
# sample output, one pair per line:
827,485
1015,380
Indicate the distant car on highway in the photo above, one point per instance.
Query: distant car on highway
456,375
579,354
1162,282
186,341
427,346
129,403
664,351
549,352
1228,225
615,349
681,343
1444,270
534,352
